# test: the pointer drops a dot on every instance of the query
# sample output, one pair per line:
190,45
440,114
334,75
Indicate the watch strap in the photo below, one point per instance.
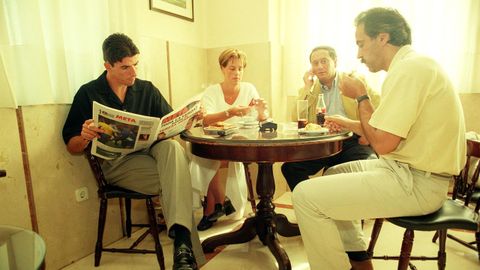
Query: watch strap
361,98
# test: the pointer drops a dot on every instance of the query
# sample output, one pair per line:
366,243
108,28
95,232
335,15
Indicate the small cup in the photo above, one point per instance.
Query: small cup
302,113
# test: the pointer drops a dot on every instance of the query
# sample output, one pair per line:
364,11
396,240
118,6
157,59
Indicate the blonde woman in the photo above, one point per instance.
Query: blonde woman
227,101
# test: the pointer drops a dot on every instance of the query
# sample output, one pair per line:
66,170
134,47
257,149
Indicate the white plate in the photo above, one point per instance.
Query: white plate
248,124
322,131
218,131
251,123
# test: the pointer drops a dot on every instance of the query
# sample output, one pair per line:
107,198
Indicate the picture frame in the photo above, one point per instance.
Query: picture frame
182,9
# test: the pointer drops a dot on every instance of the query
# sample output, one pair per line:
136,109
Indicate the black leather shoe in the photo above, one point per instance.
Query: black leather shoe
228,207
204,224
217,213
183,259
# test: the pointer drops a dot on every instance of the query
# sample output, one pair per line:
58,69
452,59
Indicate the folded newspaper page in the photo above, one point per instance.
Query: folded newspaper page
127,132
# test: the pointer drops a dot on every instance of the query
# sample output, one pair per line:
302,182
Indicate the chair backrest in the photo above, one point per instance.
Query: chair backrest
466,181
95,165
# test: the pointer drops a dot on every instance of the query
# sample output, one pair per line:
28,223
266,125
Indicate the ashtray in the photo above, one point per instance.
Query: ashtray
268,127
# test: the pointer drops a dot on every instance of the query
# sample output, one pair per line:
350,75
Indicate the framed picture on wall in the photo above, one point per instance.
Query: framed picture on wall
182,9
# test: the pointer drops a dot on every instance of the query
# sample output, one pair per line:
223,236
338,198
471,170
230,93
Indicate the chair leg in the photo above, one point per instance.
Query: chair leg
102,216
377,226
442,255
251,196
406,249
128,218
154,231
477,237
435,237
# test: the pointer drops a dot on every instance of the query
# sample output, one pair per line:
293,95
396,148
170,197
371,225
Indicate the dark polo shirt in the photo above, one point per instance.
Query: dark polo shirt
141,98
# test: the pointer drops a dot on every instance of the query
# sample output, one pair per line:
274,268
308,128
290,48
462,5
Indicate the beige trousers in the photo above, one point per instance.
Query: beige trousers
161,169
329,208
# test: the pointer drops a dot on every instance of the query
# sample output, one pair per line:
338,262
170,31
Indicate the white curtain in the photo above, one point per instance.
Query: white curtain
50,48
447,30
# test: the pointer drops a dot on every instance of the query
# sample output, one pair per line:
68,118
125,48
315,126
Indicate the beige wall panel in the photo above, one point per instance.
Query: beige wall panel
235,22
188,72
13,199
257,72
68,227
279,98
153,63
470,104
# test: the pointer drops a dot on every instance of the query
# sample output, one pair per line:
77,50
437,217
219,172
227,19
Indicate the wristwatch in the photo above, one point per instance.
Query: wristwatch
362,98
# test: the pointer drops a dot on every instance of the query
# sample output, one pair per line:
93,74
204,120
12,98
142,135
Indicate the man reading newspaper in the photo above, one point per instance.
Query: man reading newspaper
126,132
159,169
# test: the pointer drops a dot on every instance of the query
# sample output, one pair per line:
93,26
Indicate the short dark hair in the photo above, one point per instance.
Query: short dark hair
385,20
118,46
331,51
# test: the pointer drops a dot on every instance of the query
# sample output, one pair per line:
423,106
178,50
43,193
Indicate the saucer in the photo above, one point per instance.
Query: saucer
248,124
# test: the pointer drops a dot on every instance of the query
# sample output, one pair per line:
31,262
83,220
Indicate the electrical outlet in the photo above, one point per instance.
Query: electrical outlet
81,194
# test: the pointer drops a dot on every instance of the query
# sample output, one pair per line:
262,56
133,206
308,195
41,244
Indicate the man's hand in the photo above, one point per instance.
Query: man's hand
200,114
308,79
363,141
339,123
90,131
352,86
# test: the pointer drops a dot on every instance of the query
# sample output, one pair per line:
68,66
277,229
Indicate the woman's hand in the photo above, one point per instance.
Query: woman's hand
239,110
262,108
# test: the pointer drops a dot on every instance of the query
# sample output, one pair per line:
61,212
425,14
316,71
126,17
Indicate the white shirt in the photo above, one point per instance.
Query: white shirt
419,104
214,101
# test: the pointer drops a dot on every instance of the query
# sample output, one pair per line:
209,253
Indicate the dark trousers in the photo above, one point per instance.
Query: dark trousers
296,172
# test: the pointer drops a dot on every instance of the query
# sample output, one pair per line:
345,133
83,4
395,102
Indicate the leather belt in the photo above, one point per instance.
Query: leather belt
428,174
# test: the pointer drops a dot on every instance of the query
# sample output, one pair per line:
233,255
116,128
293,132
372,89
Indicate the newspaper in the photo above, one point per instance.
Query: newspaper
127,132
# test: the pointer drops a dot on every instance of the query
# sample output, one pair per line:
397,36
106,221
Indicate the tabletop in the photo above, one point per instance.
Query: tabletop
250,145
243,136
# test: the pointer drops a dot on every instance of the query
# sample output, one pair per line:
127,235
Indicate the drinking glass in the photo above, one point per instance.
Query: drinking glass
302,113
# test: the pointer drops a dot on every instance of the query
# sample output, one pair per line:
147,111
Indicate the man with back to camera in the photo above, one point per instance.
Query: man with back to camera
323,60
162,168
412,175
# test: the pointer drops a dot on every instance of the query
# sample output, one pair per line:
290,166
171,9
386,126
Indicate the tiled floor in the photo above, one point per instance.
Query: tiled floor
254,255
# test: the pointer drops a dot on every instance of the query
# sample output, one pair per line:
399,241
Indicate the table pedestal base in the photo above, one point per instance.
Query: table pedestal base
265,223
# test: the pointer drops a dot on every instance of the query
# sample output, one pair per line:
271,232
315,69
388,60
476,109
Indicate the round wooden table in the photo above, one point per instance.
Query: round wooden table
250,145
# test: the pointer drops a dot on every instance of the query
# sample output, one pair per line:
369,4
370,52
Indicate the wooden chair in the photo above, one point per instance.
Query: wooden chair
454,214
465,189
106,192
